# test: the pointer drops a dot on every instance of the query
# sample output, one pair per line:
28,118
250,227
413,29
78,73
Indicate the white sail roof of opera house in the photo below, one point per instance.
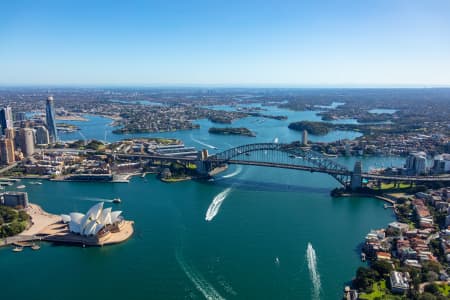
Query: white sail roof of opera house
93,221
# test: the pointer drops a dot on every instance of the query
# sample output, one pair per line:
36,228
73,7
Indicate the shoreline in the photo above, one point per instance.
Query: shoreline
379,197
39,220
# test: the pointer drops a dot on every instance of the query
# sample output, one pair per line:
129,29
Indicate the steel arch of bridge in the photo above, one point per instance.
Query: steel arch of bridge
318,162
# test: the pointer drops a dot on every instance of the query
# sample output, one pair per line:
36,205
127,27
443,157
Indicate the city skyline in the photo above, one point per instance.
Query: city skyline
250,44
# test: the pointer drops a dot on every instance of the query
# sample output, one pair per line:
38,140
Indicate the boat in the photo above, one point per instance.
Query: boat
17,249
35,247
117,200
277,260
36,182
21,186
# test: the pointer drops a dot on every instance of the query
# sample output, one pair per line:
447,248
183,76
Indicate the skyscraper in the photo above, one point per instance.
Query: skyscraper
42,136
26,141
6,151
6,119
10,133
50,119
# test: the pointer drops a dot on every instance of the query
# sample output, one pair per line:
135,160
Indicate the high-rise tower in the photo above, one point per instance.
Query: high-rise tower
42,136
6,119
26,141
6,151
305,138
50,118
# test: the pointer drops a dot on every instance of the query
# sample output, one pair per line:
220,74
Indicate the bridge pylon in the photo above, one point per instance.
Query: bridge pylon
202,164
356,178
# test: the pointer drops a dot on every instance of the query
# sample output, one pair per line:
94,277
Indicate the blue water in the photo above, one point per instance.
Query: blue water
263,214
382,111
266,130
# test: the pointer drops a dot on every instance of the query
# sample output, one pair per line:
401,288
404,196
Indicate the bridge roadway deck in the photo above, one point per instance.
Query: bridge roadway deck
338,172
297,167
406,178
287,166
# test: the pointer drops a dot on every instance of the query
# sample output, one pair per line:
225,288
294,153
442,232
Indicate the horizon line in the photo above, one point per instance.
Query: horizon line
230,86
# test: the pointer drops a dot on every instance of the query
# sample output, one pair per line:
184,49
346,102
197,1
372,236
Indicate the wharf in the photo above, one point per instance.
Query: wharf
390,201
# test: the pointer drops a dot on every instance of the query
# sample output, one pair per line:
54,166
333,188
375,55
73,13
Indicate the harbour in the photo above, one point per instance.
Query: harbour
171,219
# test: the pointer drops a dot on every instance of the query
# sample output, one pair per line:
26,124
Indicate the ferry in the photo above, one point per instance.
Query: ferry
117,200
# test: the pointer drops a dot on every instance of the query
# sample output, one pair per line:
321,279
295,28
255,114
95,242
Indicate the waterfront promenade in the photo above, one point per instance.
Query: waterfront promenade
39,219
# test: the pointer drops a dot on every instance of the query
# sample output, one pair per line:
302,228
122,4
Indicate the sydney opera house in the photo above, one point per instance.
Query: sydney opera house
99,226
93,221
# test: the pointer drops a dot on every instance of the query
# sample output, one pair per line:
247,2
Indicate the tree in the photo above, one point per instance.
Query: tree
431,266
365,278
427,296
432,288
382,267
392,231
431,276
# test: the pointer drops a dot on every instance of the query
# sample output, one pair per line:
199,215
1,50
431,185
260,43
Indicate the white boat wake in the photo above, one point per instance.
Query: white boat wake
200,283
214,207
311,259
237,172
96,199
202,143
226,286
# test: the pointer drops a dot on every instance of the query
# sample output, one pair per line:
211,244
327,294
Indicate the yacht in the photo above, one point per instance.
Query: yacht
17,249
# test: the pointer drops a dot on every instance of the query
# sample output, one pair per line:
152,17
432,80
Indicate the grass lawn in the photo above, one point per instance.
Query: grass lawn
379,292
444,289
388,186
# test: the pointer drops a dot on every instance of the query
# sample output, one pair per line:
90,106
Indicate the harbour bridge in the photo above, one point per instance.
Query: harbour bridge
288,156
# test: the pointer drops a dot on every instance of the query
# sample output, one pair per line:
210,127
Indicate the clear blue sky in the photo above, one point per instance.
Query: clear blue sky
257,42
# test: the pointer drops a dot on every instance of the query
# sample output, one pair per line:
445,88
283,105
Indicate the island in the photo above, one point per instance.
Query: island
316,128
256,114
232,131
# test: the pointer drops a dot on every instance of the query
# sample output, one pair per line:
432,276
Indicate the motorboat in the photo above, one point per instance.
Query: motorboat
117,200
277,260
21,186
17,249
